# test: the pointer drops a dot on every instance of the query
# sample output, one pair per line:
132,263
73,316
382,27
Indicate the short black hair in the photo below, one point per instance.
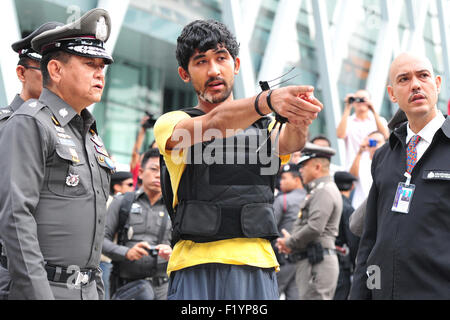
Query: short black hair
321,137
204,35
151,153
54,55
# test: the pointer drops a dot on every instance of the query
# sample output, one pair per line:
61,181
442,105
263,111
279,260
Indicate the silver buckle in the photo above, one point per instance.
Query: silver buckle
82,278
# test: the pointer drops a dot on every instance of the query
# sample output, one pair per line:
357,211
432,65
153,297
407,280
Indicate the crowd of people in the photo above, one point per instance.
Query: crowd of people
228,202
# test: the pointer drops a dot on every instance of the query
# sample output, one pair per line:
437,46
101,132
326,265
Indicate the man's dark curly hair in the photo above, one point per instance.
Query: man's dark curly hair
204,35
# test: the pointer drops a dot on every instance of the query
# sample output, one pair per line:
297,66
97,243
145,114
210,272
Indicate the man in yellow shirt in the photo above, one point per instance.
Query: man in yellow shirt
223,157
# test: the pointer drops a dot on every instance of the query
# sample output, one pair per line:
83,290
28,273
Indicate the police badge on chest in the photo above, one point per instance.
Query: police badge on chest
72,180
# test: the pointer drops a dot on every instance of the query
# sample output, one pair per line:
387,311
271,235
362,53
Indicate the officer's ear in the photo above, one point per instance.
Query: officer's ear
184,75
55,68
20,71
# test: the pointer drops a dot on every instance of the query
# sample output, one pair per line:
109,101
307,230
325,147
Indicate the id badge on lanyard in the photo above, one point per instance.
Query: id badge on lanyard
403,196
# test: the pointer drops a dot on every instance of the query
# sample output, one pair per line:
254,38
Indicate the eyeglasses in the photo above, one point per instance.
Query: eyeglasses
30,67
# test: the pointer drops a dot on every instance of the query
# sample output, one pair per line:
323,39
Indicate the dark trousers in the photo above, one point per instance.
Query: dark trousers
343,285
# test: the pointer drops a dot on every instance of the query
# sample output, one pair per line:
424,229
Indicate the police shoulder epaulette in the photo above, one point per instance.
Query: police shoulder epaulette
30,107
5,113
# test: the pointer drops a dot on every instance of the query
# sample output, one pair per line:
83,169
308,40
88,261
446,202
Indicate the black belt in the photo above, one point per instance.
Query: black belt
297,256
74,276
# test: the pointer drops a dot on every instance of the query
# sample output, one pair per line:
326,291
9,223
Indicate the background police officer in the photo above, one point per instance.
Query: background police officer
29,73
57,171
312,242
148,226
285,208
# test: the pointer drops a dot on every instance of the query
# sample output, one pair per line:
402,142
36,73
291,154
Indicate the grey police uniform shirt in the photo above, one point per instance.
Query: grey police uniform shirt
145,221
53,192
319,216
7,112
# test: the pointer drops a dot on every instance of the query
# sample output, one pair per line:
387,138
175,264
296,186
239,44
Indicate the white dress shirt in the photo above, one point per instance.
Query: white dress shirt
426,134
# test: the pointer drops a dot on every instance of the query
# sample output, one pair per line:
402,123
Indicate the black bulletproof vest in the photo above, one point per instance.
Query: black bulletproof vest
226,190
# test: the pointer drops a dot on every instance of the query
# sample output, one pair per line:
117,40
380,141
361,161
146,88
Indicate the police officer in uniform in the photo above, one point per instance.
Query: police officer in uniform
285,208
147,232
56,174
312,243
29,73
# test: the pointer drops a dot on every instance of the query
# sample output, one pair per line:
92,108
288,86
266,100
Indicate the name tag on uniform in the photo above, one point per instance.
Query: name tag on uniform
403,198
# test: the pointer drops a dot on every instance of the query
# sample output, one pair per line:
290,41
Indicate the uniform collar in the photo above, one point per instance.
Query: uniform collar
140,193
315,183
16,103
62,111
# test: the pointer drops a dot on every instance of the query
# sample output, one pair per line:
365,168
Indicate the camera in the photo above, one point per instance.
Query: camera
153,252
150,122
373,143
353,100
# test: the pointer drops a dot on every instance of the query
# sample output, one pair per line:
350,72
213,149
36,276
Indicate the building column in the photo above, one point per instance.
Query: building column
8,59
417,11
328,82
117,11
233,18
387,38
442,8
284,31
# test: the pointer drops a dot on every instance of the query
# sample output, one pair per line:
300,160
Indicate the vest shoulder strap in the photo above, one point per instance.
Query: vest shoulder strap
166,185
124,213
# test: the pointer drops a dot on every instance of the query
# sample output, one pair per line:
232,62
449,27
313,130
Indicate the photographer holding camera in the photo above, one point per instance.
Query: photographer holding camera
361,167
147,122
143,226
354,128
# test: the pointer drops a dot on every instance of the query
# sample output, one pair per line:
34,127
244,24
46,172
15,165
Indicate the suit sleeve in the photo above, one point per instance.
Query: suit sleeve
24,153
112,250
356,221
359,289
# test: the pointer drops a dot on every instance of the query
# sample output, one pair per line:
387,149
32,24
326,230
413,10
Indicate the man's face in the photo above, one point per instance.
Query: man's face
362,106
212,74
125,186
82,80
150,176
288,182
380,141
414,86
308,171
31,78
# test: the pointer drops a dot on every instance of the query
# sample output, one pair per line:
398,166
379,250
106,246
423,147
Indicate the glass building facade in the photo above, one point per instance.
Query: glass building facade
356,39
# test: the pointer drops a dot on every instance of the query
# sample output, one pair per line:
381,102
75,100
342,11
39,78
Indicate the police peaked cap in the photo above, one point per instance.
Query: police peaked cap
290,167
118,177
311,151
344,180
84,37
23,46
